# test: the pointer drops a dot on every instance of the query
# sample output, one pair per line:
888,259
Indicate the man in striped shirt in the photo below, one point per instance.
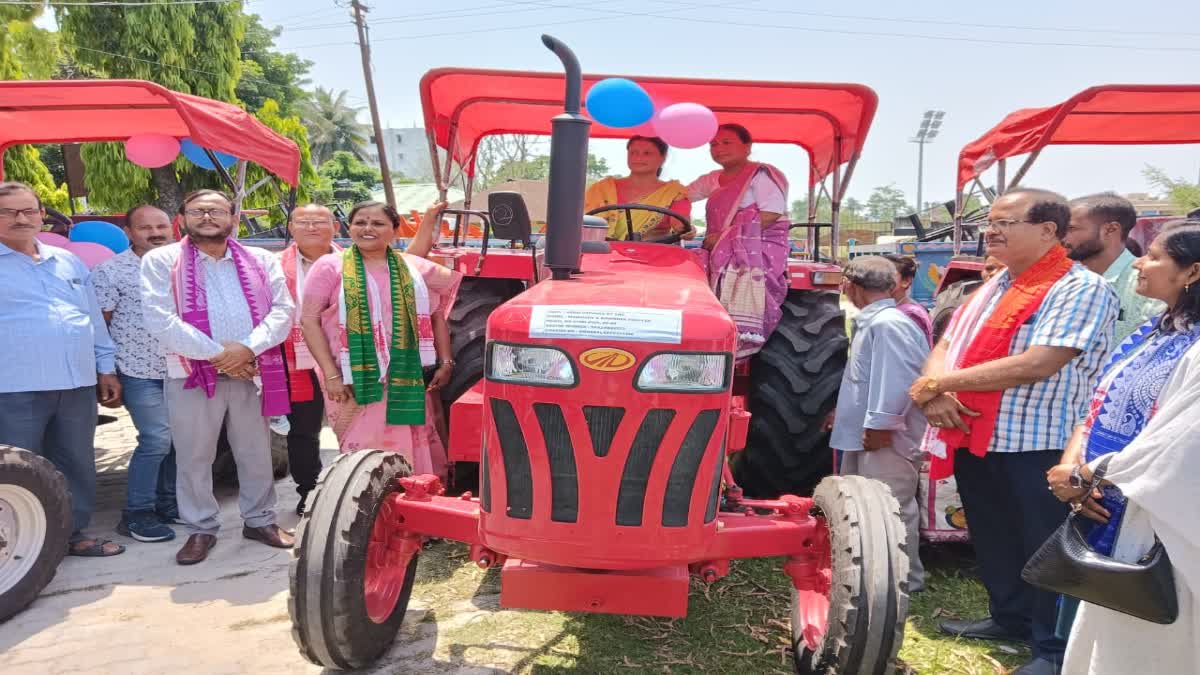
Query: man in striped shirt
1057,346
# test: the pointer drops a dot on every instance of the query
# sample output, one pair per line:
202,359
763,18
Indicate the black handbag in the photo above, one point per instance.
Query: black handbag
1067,564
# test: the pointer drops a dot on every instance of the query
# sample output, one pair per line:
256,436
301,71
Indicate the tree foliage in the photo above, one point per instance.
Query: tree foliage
192,48
522,157
28,52
1184,194
270,74
348,178
288,126
885,203
333,125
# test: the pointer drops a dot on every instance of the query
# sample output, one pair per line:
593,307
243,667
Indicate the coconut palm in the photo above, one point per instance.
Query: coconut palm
333,125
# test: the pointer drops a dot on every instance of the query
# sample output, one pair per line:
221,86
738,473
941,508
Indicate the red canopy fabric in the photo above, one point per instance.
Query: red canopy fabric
81,111
464,105
1114,114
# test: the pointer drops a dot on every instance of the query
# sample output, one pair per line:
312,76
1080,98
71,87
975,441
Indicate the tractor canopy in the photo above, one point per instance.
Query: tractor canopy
830,121
84,111
1113,114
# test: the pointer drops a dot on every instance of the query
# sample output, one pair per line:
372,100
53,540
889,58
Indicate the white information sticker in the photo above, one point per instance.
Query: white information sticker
631,324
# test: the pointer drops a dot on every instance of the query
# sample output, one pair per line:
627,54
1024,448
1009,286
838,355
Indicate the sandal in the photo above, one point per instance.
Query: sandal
95,548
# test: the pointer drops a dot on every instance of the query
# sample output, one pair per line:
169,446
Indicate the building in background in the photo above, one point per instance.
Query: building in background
1149,205
407,153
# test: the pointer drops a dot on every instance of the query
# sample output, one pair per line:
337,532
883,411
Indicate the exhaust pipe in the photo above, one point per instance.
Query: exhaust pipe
568,171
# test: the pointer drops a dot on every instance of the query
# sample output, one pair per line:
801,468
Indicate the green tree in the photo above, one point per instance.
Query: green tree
597,167
270,74
1184,194
192,48
886,202
333,125
345,173
28,52
288,126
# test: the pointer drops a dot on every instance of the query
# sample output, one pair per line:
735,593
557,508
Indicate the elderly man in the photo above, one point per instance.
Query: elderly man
876,427
1002,391
1097,237
220,310
150,491
312,229
58,357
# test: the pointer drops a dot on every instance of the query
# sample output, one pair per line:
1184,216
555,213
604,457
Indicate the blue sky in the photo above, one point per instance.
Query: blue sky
977,75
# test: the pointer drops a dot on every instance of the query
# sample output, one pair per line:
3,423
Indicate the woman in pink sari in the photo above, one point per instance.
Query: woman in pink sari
375,320
746,247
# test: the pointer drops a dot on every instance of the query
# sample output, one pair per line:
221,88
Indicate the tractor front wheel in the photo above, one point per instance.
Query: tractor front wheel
349,585
858,627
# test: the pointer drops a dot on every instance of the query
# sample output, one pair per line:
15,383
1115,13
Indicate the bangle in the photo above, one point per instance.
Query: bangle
338,376
446,362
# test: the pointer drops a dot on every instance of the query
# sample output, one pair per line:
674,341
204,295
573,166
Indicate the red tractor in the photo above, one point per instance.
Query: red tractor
608,404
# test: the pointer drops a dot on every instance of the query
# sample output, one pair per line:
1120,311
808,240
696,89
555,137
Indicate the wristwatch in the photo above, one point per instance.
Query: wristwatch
1076,479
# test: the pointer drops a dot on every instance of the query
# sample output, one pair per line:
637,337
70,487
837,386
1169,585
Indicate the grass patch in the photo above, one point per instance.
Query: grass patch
739,624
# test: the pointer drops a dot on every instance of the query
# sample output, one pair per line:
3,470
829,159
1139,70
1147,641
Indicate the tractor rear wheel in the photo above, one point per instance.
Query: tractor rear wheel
348,593
35,524
477,297
858,628
794,382
949,300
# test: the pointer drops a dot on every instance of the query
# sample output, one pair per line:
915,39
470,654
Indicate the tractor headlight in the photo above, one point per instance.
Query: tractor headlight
827,278
526,364
685,373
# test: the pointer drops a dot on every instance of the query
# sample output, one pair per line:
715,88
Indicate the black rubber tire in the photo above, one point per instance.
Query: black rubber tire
38,476
954,296
793,386
279,455
868,602
477,298
329,620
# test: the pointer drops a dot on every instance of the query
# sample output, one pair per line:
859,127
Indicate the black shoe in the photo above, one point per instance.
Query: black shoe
983,629
301,504
1038,666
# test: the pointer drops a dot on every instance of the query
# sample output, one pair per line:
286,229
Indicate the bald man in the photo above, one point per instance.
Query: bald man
312,227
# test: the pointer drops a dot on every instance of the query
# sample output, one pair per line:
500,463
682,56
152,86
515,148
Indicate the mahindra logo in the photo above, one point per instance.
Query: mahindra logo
607,359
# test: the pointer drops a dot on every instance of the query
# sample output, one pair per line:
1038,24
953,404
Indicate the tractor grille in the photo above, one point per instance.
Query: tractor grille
603,424
485,479
517,476
714,491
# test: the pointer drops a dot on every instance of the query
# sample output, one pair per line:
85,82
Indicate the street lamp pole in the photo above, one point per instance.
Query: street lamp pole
931,124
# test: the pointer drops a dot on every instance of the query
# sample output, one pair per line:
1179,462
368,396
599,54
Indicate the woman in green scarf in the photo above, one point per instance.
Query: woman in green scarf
376,322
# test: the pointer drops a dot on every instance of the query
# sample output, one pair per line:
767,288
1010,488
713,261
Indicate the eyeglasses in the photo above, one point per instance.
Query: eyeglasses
211,213
1006,224
34,215
311,224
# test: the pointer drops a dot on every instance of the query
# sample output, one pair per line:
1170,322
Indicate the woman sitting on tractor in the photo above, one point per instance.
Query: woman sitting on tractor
746,248
385,314
645,156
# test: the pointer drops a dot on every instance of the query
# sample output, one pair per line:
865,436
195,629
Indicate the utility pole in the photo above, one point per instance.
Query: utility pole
365,47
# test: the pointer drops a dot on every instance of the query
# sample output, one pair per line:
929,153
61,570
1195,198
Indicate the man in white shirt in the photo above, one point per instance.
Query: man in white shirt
220,311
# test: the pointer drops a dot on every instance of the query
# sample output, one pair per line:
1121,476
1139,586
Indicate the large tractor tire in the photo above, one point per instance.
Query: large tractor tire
347,602
35,524
858,628
793,386
225,467
477,298
954,296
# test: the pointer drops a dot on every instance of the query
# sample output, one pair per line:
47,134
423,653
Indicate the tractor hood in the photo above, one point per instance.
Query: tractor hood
651,294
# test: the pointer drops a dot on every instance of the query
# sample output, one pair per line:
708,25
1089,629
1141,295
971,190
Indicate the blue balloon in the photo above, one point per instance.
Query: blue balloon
619,103
100,232
196,155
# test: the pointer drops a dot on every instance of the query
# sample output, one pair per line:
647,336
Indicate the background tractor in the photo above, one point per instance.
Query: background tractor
608,404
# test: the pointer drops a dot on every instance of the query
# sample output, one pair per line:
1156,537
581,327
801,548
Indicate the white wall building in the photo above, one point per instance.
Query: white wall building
407,152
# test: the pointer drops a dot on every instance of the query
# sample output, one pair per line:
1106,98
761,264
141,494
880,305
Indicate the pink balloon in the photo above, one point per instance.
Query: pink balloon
91,254
686,125
52,239
151,150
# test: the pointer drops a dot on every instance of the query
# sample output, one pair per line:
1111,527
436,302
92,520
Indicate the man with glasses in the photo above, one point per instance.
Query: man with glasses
1099,229
220,310
58,357
1003,390
312,228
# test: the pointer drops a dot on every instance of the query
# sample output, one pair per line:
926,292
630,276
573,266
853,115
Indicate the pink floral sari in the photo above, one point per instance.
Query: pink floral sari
747,267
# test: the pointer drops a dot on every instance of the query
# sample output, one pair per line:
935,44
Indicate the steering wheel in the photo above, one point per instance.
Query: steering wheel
672,238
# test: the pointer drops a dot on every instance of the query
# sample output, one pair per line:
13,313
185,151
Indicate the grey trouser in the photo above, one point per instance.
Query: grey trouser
900,472
195,425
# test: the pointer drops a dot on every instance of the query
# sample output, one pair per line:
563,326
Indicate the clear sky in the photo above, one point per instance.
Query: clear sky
975,60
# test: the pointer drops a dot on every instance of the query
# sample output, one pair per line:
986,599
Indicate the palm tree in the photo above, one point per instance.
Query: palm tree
333,125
